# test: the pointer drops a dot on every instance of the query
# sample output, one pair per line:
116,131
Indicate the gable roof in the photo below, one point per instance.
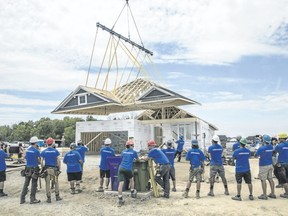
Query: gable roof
139,94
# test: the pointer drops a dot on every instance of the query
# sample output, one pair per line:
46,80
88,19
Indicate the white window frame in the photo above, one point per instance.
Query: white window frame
80,96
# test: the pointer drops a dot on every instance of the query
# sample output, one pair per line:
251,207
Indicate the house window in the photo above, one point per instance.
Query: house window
82,99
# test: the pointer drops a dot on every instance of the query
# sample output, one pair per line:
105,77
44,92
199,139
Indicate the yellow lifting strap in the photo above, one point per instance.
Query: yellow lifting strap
152,179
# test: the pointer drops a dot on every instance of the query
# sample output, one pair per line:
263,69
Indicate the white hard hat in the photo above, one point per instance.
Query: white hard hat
34,139
216,138
107,141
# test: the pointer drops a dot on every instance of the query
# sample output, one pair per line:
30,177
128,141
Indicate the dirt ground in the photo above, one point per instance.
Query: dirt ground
90,202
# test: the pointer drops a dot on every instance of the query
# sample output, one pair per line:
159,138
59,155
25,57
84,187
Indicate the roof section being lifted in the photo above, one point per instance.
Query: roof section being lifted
139,94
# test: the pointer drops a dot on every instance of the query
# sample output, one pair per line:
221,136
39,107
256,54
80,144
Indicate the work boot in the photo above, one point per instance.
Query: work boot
2,194
174,189
251,197
285,195
226,191
279,186
263,197
238,198
58,198
73,191
100,189
78,190
185,194
34,201
22,201
120,202
210,193
197,195
134,193
271,195
48,200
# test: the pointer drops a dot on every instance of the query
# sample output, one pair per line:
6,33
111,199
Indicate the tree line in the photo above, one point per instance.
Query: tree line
43,128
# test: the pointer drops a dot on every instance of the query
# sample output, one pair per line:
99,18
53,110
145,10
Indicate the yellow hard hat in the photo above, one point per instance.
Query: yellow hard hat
282,135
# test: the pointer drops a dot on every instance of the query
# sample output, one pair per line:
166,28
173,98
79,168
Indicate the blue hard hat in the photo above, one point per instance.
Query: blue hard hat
194,142
266,138
181,137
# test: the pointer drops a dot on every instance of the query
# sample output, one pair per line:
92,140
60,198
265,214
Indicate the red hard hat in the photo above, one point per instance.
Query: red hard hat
129,142
151,143
49,141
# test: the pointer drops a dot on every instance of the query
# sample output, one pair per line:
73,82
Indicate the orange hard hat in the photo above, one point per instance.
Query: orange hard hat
49,141
151,143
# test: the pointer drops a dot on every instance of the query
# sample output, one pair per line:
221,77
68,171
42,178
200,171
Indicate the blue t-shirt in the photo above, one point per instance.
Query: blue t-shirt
32,155
2,160
282,150
71,159
195,156
236,146
158,156
242,156
128,155
215,152
170,152
265,152
180,144
82,149
50,156
105,152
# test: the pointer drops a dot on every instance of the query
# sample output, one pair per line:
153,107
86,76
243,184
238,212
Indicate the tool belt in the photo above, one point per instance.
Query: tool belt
32,172
52,171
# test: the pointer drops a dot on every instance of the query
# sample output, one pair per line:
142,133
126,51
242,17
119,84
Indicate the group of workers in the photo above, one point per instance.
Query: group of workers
272,155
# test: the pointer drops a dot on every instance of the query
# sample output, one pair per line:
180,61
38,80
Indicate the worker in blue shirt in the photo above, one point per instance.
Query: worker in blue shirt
2,172
162,177
282,162
216,164
51,165
82,149
196,158
125,171
242,168
265,167
170,152
179,149
236,145
32,155
105,152
73,160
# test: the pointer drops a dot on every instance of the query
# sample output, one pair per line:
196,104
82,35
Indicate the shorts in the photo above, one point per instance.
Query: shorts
77,176
2,176
196,172
104,173
214,169
245,175
172,173
265,172
124,174
282,172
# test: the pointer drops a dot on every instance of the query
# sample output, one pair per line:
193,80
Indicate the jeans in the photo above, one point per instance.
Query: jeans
162,178
33,188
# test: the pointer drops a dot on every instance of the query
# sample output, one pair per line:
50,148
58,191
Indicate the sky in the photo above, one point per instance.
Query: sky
231,56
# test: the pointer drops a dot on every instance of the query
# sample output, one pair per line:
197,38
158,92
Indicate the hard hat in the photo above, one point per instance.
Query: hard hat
49,141
238,138
151,143
266,138
216,138
129,142
181,137
282,135
169,143
243,141
79,142
107,141
194,142
34,139
73,145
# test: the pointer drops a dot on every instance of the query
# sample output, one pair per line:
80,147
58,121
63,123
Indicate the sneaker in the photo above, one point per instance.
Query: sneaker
22,201
210,193
35,201
263,197
238,198
106,188
165,196
226,192
78,190
197,195
48,200
120,202
100,189
279,186
3,194
134,194
58,198
273,196
285,195
185,194
73,191
174,189
251,197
